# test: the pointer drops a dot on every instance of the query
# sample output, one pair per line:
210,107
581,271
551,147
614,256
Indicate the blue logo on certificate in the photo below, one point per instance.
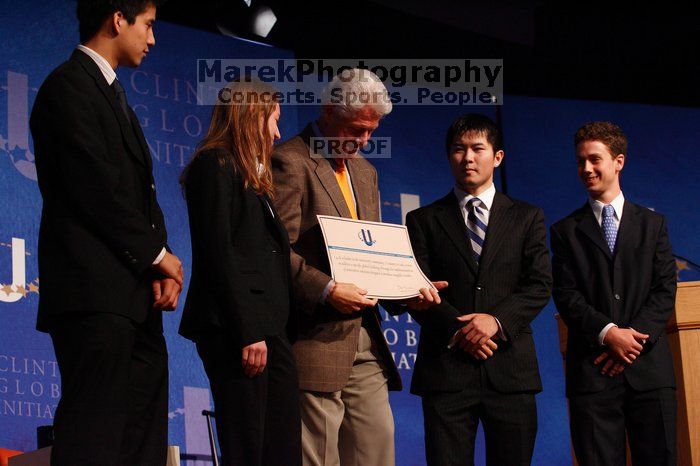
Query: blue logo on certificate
366,237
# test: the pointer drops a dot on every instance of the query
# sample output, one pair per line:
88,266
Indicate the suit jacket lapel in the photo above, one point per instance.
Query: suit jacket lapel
589,226
145,151
627,232
359,177
452,221
270,211
128,133
326,175
499,225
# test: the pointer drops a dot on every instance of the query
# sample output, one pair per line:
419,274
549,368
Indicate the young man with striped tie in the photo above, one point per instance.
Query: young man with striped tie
615,287
476,358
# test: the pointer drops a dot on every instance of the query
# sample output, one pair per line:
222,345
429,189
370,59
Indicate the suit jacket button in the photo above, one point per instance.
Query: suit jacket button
153,225
153,187
617,296
478,287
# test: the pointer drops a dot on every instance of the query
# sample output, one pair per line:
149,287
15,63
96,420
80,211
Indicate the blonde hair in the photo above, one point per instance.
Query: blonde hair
239,127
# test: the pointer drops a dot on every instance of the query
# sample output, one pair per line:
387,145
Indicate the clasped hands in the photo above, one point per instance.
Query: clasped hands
166,291
477,336
624,347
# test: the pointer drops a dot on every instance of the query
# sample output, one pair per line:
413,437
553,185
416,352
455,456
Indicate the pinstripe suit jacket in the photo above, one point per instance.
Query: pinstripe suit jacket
512,282
306,186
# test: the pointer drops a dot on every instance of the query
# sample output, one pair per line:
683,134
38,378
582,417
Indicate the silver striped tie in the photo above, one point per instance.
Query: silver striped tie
476,223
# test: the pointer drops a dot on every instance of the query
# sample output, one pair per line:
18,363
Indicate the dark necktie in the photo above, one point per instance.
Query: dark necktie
476,223
121,97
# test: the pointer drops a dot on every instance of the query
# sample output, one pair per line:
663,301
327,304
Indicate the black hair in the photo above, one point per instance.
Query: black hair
476,123
92,13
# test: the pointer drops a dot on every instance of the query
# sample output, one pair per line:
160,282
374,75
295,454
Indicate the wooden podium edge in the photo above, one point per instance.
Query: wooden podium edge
692,310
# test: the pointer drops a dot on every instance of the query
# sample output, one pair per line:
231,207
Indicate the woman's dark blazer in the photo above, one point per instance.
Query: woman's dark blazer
240,256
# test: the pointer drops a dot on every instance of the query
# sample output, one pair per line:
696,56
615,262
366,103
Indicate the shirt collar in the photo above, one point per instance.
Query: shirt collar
617,204
101,63
486,197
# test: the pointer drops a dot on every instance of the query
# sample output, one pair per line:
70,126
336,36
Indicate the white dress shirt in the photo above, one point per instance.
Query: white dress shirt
486,199
101,63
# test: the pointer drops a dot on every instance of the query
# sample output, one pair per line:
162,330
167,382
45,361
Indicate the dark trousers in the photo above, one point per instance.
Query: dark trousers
451,420
257,419
114,391
600,420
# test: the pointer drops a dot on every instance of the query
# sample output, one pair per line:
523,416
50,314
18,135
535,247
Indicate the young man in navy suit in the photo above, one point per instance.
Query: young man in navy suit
106,271
615,287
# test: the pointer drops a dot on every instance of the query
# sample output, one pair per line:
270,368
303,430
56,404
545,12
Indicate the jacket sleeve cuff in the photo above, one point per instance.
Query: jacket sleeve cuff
326,291
160,257
601,335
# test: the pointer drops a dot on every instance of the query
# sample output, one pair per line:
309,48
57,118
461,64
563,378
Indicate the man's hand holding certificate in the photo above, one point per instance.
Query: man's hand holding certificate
378,258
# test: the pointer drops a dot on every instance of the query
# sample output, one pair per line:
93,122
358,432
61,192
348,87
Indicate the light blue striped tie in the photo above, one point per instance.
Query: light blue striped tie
476,224
609,227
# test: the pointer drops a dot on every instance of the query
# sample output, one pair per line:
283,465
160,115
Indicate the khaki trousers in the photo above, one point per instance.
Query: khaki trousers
353,426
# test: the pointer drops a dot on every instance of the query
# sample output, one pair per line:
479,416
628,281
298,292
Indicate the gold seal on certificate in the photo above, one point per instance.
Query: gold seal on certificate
374,256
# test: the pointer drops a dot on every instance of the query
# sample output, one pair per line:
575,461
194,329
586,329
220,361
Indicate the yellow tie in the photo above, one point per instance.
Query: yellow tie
341,174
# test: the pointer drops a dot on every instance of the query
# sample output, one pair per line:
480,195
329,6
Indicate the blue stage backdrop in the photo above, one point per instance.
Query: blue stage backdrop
36,36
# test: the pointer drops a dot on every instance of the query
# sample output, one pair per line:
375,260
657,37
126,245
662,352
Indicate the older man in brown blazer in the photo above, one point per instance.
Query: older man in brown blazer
345,366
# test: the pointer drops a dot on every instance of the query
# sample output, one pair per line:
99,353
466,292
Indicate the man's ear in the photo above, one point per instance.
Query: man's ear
118,22
498,156
619,162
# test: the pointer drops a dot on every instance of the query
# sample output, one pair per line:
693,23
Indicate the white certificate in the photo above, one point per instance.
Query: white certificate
374,256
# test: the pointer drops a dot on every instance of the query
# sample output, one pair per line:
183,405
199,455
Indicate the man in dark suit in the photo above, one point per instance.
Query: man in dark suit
106,272
615,286
476,356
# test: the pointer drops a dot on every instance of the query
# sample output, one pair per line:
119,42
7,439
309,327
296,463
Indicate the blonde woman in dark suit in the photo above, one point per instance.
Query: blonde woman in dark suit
238,303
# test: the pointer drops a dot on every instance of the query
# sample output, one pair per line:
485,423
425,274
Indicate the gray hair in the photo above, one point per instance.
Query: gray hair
353,89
